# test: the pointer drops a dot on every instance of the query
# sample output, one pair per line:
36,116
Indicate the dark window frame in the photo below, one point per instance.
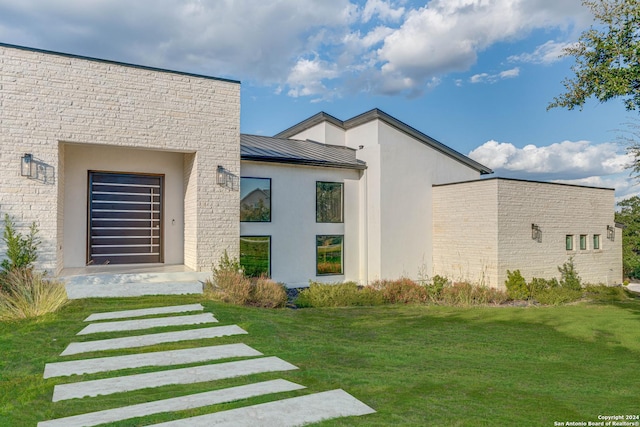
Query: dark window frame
596,242
325,236
341,184
582,242
268,254
568,242
270,198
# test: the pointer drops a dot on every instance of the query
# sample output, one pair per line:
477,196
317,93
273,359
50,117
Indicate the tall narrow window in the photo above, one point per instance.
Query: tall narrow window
569,242
329,255
255,255
255,199
583,242
596,241
329,197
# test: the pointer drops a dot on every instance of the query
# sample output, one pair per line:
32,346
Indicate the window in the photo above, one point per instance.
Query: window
569,242
596,241
255,255
329,201
329,257
255,199
583,242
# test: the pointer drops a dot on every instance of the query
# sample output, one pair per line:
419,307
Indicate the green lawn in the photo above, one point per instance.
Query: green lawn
416,365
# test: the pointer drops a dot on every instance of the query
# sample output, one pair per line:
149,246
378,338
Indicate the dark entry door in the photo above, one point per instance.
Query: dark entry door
125,218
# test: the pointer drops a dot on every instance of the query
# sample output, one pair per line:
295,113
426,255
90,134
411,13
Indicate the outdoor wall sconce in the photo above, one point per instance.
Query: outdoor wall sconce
611,233
27,166
536,233
226,179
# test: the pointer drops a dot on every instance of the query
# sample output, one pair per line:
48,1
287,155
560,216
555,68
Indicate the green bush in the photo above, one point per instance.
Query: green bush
435,288
516,286
338,295
604,293
569,278
401,291
26,294
558,295
22,251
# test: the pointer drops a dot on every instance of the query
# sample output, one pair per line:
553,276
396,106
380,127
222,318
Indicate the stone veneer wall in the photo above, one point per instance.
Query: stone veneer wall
48,99
483,228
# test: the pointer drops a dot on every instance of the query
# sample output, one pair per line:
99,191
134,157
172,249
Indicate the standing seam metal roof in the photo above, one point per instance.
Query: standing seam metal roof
295,151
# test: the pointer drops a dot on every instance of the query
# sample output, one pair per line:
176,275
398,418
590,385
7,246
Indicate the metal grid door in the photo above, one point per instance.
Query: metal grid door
125,218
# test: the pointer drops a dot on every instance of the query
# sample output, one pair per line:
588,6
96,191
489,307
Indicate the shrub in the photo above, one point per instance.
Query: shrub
229,283
22,251
516,286
460,293
434,289
558,295
267,293
338,295
604,293
569,278
487,295
401,291
28,294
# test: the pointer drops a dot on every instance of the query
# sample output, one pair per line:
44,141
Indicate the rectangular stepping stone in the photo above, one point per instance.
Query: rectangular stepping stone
144,312
173,376
174,404
296,411
133,325
151,339
158,358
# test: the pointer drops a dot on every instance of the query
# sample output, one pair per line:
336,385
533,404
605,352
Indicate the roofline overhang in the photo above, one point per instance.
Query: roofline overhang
377,114
299,162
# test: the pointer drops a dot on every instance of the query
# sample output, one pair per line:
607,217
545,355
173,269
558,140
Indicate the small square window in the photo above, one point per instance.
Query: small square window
255,255
329,201
569,242
329,255
596,241
583,242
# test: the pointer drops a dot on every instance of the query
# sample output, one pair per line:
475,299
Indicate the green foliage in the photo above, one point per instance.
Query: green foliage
22,251
629,215
569,278
27,294
435,288
338,295
557,296
604,293
517,286
607,57
256,212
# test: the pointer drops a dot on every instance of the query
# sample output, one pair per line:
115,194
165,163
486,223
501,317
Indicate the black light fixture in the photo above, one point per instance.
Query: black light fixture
611,233
221,176
536,233
26,165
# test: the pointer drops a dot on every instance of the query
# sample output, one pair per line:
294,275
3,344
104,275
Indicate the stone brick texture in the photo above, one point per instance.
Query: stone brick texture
48,100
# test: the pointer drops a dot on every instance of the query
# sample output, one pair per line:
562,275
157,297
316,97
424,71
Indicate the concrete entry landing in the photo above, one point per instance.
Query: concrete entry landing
107,281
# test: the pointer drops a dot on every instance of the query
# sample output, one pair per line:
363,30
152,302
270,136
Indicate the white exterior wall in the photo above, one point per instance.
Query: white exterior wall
483,228
48,100
323,132
293,226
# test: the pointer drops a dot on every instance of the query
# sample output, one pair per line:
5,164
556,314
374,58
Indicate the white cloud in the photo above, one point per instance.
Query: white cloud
382,46
546,53
566,160
492,78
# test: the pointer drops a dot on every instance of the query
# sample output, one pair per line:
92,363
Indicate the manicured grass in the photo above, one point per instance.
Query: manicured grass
416,365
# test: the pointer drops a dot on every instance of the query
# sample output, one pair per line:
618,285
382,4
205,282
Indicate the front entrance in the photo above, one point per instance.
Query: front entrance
125,218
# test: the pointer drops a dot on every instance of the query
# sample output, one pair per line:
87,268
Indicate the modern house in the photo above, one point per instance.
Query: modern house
121,164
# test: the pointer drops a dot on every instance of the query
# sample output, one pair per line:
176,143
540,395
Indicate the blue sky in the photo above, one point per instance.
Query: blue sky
475,74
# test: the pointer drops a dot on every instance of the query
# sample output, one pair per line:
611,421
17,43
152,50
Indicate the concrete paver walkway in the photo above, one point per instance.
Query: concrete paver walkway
133,325
175,404
292,411
151,339
158,358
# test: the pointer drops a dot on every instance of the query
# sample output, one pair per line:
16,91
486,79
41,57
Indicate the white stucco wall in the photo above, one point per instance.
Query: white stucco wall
293,226
483,228
79,159
50,99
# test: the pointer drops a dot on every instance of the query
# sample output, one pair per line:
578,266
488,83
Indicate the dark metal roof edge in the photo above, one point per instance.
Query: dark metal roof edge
376,113
124,64
340,147
309,123
302,162
524,180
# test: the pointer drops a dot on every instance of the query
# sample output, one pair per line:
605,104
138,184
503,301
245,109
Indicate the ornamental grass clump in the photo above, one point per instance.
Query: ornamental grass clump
338,295
267,293
27,294
401,291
